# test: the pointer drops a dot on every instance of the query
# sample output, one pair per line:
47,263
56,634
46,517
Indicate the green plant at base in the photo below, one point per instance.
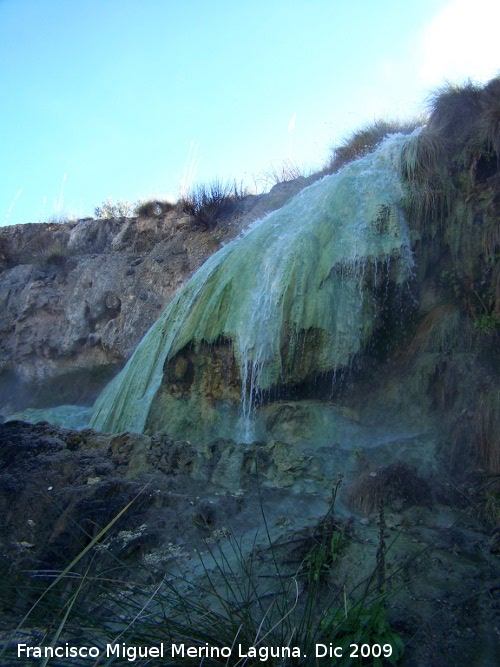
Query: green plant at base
364,624
225,600
486,324
324,548
492,504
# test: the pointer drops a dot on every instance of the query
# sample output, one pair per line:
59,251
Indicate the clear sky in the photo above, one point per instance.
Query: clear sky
128,99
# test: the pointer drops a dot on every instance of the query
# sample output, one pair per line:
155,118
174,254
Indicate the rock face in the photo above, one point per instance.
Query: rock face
76,298
83,479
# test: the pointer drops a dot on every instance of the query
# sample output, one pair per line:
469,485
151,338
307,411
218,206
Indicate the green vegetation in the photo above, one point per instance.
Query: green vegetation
150,208
225,599
209,204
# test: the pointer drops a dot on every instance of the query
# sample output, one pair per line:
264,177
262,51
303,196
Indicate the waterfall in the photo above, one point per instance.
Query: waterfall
303,268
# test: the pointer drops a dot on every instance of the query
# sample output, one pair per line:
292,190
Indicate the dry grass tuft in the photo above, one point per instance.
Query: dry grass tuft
475,436
208,204
366,140
154,208
397,484
287,171
422,155
489,124
440,331
454,110
47,249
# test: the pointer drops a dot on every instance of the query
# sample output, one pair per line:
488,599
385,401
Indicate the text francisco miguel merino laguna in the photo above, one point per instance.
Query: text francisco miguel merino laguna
132,653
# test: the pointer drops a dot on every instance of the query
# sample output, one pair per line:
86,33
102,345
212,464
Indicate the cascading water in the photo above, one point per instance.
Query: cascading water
301,269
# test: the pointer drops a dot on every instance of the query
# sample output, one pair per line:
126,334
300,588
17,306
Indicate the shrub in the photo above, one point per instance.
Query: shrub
208,204
153,208
47,249
454,110
287,171
58,218
489,123
468,114
476,433
396,484
120,209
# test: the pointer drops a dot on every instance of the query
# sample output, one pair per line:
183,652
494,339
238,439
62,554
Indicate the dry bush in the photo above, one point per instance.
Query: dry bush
468,114
475,435
454,110
287,171
208,204
440,331
154,208
489,123
397,484
48,249
118,209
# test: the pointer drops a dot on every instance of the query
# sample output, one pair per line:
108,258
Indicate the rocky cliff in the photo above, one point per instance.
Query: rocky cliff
76,298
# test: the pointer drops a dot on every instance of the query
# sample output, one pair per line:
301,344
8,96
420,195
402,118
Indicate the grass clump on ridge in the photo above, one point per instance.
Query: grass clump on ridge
286,171
366,140
468,113
449,171
154,208
209,204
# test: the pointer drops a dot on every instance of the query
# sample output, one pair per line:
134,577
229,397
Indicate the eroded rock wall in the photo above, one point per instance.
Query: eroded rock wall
76,298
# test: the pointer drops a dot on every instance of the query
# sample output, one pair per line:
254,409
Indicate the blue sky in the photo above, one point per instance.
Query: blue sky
131,99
